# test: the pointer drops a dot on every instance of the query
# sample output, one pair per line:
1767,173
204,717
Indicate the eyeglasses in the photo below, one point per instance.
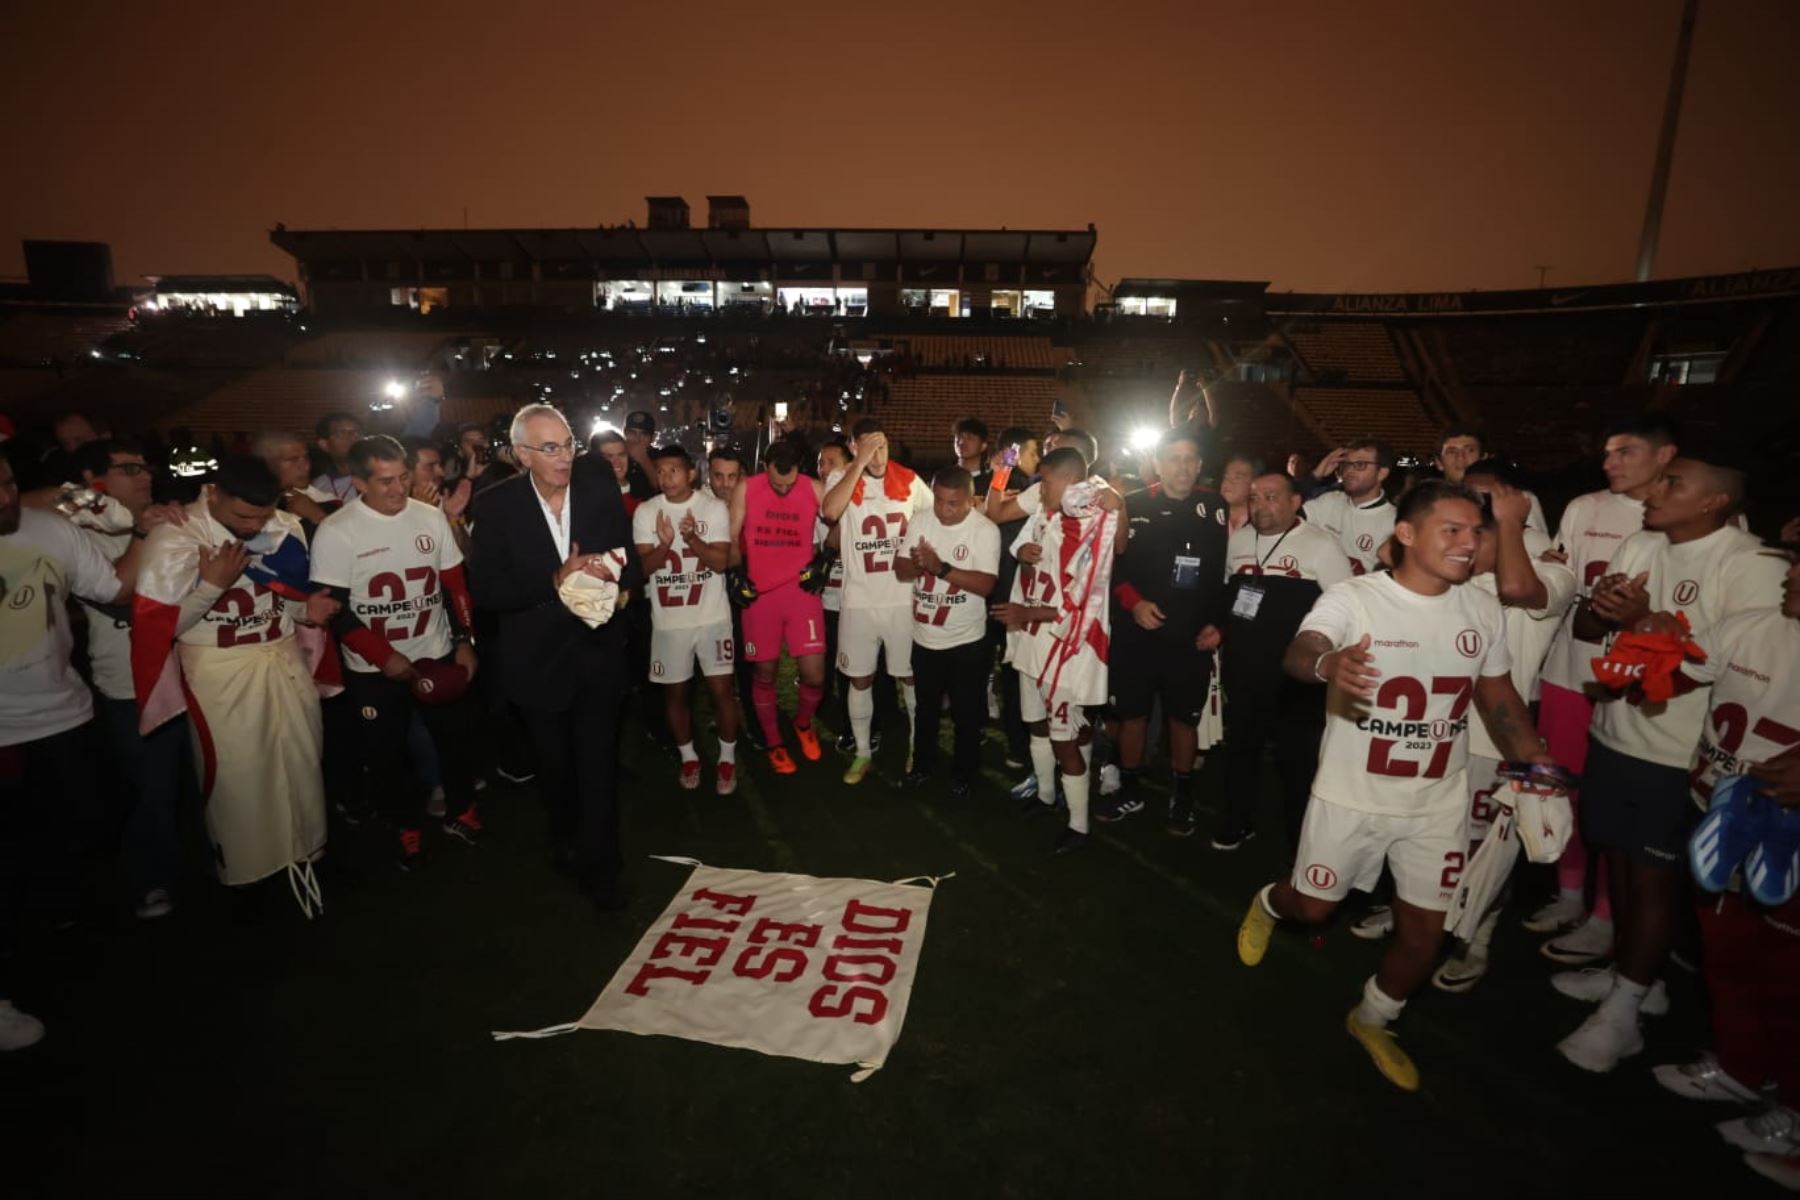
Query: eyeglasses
553,449
1361,464
130,469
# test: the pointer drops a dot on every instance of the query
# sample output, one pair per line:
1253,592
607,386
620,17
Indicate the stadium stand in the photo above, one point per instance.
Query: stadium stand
1358,352
38,338
1011,353
921,410
1392,414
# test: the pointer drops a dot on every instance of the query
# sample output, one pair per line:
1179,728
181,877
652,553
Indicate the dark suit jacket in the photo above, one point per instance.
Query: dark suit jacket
545,651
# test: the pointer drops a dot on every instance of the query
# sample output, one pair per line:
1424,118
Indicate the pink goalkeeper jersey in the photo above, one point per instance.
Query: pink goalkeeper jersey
778,531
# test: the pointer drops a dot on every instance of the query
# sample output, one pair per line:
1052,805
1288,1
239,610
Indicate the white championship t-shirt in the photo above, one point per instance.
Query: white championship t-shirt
1708,579
1032,650
1593,528
1360,529
1753,664
690,595
1528,630
390,566
1302,552
41,694
1404,752
871,531
945,616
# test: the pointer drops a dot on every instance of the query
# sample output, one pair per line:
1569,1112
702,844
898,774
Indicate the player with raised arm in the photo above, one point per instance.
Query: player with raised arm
1405,656
873,502
1358,513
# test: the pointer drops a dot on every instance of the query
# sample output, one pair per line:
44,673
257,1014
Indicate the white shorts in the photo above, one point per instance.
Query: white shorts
1483,782
1066,718
1343,848
864,632
673,652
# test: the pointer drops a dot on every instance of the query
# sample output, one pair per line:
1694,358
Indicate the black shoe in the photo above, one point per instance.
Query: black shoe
1231,837
351,813
466,827
1118,806
846,743
1069,840
912,781
563,863
959,789
1181,817
515,774
412,851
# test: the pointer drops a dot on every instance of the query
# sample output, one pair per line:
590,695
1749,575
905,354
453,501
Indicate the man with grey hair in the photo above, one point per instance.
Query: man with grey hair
560,517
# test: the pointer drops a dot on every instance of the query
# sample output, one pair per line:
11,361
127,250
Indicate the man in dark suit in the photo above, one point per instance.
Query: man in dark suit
531,532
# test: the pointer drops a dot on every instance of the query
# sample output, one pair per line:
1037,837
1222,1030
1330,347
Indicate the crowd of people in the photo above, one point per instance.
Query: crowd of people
332,625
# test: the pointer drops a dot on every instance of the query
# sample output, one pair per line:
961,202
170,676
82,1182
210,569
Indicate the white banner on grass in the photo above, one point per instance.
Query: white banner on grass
794,965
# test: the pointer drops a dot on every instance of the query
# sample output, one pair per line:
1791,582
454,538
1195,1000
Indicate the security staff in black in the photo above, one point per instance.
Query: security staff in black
1170,588
1279,564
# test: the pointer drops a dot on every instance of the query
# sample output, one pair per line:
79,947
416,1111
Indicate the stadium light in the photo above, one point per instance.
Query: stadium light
1144,437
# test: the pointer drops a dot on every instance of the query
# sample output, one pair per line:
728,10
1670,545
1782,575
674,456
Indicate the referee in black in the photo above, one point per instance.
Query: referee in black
1170,587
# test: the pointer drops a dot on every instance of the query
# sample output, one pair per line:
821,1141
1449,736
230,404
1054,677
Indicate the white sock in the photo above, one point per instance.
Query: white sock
909,696
687,752
1484,933
727,752
1263,898
1075,791
1043,765
861,703
1378,1008
1625,999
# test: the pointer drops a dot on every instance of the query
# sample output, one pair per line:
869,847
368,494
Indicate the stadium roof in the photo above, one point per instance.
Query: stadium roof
695,247
225,284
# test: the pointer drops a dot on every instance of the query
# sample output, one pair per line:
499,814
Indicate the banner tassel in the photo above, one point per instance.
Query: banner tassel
550,1031
930,881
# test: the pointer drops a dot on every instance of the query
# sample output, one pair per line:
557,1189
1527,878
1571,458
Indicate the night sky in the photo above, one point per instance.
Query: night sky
1323,146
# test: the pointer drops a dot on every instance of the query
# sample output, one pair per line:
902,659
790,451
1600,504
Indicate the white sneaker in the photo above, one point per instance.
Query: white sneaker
1703,1079
1784,1171
156,903
434,803
1378,924
1461,971
1109,780
18,1029
1774,1132
1564,912
1590,941
1601,1043
1590,985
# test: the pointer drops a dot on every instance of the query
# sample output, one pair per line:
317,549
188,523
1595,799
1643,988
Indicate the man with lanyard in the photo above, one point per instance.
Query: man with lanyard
1170,592
1278,565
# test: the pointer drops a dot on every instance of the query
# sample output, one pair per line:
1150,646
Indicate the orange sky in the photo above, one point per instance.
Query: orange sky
1373,145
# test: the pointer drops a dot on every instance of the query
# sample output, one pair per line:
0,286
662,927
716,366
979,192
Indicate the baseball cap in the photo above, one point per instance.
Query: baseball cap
439,682
640,422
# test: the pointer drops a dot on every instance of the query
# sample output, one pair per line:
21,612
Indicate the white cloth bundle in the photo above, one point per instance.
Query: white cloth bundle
591,598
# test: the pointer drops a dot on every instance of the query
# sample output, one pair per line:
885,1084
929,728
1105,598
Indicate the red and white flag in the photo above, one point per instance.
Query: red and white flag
820,969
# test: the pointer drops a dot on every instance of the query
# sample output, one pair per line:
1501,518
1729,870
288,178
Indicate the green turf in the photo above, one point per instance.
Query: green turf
1079,1026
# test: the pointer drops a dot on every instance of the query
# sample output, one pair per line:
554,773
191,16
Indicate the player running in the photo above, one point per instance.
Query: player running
1404,656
